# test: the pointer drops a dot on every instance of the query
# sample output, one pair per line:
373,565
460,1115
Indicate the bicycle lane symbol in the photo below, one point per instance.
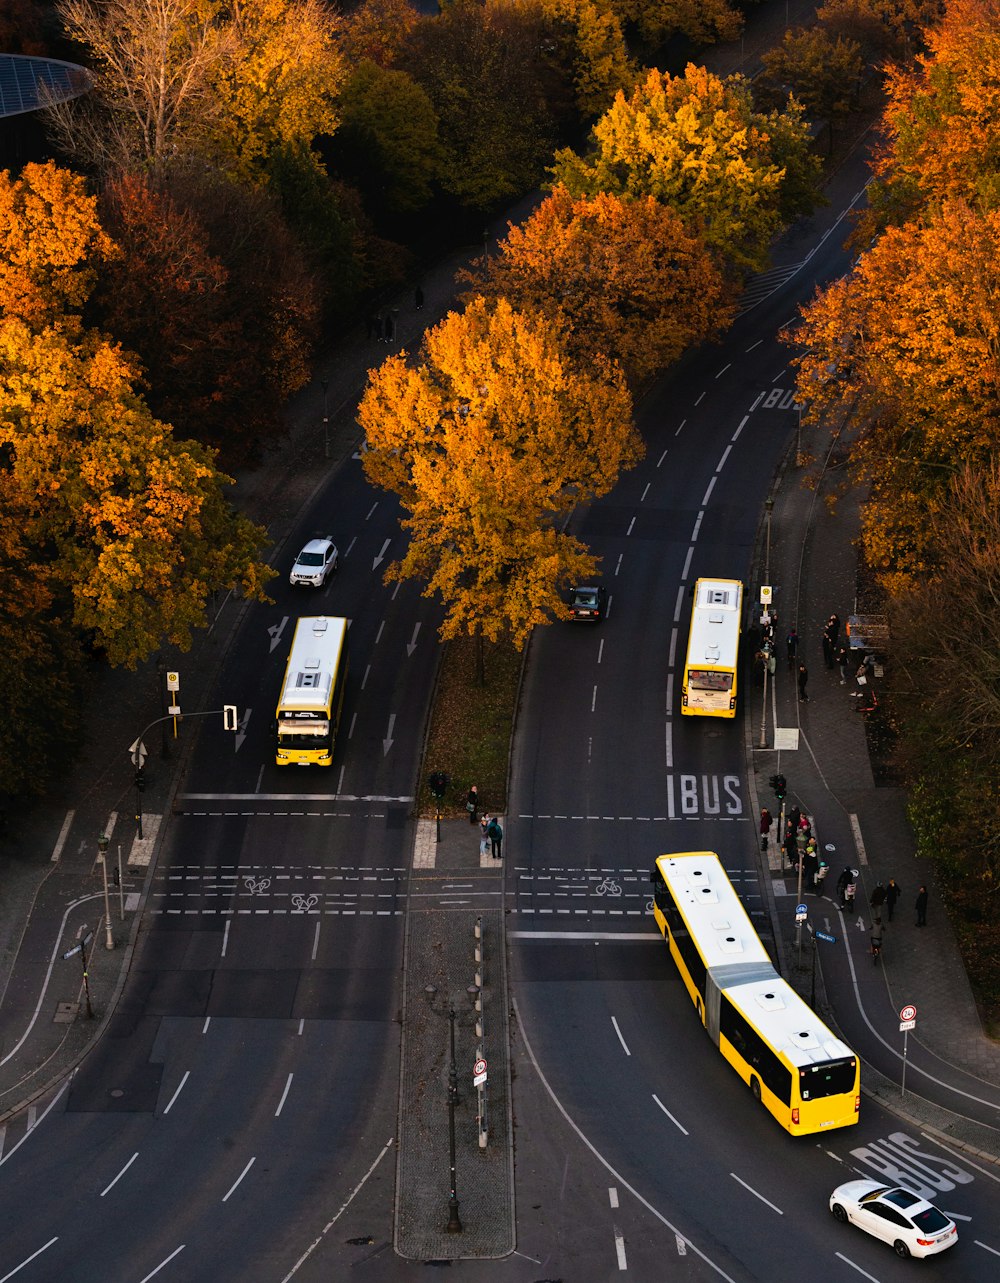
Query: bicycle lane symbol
608,887
303,903
256,886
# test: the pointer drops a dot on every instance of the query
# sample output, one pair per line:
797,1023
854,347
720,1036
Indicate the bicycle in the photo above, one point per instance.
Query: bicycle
876,949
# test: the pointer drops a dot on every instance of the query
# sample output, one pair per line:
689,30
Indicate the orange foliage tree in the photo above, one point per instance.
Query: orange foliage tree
910,341
491,437
620,279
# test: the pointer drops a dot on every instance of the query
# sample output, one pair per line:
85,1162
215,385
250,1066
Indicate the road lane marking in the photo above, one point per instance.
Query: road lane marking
771,1205
18,1268
180,1085
316,941
176,1252
670,1115
56,854
236,1182
620,1251
977,1242
120,1174
284,1095
225,937
864,1273
613,1196
620,1038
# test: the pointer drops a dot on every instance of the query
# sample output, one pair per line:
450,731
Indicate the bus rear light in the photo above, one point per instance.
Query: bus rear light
795,1117
857,1104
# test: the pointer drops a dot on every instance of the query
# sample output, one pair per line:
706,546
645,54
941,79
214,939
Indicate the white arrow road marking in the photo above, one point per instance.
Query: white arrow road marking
381,557
275,631
387,742
241,732
411,645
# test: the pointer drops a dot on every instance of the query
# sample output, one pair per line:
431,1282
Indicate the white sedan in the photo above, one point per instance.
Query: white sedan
897,1216
315,563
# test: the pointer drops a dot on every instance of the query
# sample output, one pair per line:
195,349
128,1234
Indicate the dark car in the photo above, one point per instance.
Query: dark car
588,604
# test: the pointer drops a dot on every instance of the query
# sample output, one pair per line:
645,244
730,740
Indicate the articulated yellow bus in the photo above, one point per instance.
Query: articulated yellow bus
312,693
804,1075
709,685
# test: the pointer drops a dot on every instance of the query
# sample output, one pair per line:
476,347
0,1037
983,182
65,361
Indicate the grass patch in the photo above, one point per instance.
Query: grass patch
471,726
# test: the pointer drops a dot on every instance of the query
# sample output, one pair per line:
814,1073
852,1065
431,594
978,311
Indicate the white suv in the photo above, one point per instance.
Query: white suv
315,563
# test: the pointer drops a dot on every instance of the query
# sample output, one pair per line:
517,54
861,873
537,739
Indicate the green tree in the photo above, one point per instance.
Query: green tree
591,45
388,143
621,278
137,527
703,22
483,68
695,143
823,73
487,441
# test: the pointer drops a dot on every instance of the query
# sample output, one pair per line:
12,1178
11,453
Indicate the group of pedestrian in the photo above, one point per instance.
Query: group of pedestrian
490,829
382,328
883,899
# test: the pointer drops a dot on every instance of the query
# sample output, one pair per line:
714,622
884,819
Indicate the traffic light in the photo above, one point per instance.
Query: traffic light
778,784
140,778
439,782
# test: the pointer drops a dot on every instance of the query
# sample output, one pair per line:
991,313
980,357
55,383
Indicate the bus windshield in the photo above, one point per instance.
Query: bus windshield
707,679
832,1078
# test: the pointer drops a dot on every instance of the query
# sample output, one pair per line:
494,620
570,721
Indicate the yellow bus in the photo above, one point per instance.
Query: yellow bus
801,1072
312,694
709,685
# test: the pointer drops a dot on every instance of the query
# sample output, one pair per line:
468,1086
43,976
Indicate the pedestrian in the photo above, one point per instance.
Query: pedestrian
803,678
843,659
495,833
418,298
792,648
850,891
892,894
832,631
794,815
389,328
842,882
765,827
791,851
877,899
810,866
484,837
921,907
821,873
472,803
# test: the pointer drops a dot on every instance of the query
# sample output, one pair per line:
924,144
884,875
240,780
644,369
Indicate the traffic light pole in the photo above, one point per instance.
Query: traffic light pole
137,753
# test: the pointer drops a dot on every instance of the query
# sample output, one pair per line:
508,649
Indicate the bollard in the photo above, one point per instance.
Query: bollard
479,928
479,954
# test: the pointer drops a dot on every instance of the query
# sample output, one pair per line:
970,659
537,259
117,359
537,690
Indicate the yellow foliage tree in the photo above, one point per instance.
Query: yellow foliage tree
51,243
696,143
910,341
622,280
491,437
141,531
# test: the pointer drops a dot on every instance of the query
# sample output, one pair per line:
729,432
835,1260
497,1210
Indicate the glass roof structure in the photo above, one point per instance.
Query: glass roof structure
29,83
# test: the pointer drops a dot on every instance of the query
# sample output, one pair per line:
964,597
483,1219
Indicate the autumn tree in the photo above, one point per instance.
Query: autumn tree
942,122
884,29
488,439
483,69
153,63
909,344
40,700
51,243
377,31
134,523
703,22
591,45
696,143
623,280
824,74
948,679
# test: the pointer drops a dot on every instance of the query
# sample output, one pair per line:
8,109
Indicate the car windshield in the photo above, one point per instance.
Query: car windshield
310,559
930,1220
585,597
830,1079
875,1193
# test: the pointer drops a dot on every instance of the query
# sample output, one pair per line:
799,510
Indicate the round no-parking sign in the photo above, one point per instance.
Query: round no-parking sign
909,1012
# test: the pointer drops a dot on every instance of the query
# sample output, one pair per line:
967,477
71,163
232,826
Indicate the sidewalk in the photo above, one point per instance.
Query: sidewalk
813,561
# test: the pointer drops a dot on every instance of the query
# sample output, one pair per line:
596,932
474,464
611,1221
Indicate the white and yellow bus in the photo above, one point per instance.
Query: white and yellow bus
709,685
802,1074
312,694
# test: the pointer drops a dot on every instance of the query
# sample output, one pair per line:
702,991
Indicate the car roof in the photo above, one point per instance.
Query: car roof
316,545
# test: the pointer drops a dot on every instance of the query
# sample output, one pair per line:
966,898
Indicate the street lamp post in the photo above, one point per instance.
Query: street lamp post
769,508
324,384
102,848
